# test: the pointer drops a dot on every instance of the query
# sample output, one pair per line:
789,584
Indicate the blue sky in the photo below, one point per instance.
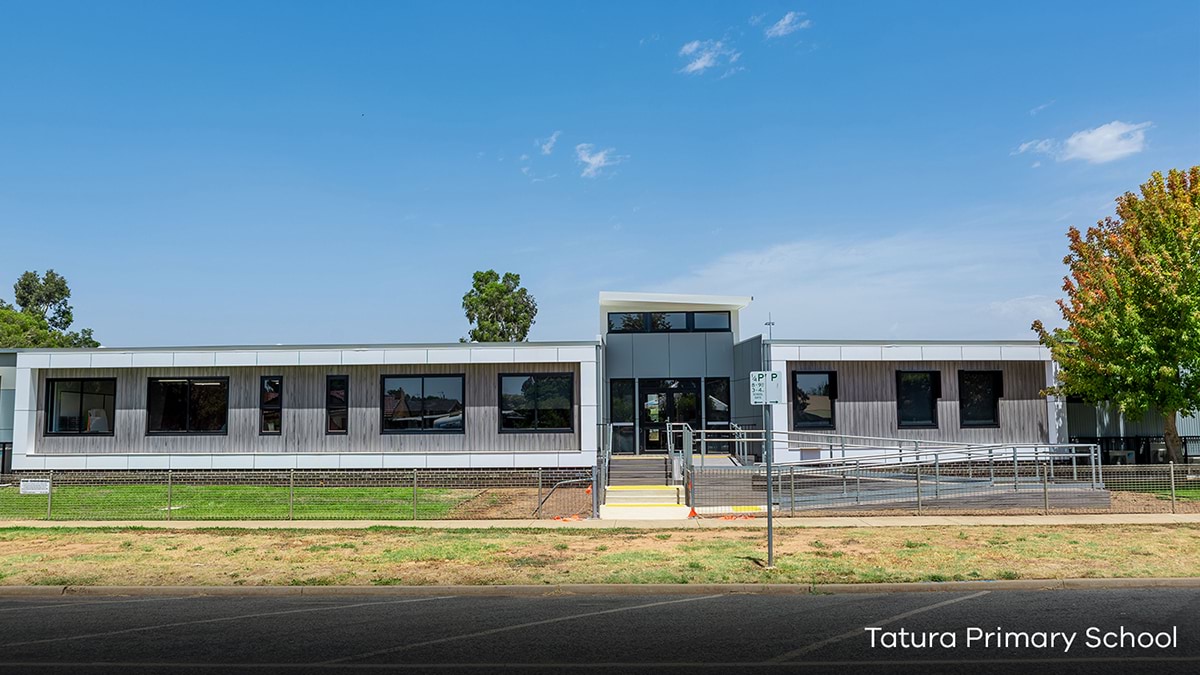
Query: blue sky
250,172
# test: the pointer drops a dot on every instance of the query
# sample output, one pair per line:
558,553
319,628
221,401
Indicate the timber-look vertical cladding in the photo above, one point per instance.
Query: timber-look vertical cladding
866,403
304,413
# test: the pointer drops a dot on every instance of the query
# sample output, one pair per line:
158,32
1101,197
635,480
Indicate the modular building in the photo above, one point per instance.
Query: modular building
659,359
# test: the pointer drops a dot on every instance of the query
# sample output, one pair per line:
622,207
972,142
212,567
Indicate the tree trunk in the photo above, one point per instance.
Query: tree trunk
1171,436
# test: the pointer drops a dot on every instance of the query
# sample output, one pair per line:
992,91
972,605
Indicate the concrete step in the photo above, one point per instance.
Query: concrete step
644,494
644,512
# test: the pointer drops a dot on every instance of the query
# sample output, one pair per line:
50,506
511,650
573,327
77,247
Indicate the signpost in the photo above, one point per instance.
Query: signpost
766,388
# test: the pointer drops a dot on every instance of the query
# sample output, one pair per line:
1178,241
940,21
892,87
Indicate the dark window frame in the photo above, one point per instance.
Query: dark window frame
556,430
690,322
936,390
632,382
402,432
833,383
264,407
189,380
346,405
112,424
998,384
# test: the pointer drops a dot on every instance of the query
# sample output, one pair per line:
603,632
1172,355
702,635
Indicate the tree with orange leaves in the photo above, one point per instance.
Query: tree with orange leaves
1133,306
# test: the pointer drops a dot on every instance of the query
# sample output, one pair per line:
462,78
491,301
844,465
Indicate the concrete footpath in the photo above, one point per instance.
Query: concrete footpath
694,523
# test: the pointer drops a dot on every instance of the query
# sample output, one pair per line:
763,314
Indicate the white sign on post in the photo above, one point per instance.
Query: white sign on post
34,487
766,387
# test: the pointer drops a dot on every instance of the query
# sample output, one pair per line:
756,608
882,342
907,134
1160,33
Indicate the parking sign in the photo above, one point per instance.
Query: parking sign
766,387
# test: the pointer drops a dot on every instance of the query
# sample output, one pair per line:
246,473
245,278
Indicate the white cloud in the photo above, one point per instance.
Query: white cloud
790,23
524,157
956,284
756,19
704,54
1105,143
547,144
1040,108
595,162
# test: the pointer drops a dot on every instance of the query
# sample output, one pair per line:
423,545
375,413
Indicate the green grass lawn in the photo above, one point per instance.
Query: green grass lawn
230,502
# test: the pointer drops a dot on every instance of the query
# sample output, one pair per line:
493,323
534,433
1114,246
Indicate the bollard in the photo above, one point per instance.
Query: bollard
1171,466
170,497
49,494
291,493
1045,490
918,489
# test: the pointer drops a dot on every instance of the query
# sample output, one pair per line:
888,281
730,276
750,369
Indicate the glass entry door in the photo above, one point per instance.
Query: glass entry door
663,401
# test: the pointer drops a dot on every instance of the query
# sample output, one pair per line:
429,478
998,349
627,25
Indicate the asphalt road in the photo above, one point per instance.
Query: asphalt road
614,634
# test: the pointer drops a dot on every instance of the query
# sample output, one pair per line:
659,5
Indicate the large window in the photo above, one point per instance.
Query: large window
716,402
620,401
668,322
84,406
813,397
979,393
337,404
537,402
270,405
195,405
917,394
413,403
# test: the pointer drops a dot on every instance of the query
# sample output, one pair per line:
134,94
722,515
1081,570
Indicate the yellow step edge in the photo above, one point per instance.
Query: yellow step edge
642,506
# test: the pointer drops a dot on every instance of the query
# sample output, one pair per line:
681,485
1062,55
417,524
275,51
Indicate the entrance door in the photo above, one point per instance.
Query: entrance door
663,401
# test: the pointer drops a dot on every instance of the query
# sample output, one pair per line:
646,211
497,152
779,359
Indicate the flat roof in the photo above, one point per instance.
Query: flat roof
904,343
294,347
623,298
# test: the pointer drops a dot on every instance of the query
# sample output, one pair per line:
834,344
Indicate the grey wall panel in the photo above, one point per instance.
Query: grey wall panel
687,354
651,355
747,356
866,404
8,359
304,413
718,353
8,401
618,355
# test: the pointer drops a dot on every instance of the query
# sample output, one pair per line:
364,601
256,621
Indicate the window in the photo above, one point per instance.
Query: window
337,404
620,401
270,405
81,406
537,402
414,403
716,402
626,322
710,321
813,396
668,322
917,393
197,405
979,393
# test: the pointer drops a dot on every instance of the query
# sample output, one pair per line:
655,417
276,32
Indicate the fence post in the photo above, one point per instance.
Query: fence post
414,494
50,494
596,491
291,493
537,513
792,490
918,489
1171,466
170,496
857,481
937,475
1016,470
1045,490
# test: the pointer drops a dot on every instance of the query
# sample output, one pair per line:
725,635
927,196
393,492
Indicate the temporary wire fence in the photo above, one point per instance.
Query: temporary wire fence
967,488
409,494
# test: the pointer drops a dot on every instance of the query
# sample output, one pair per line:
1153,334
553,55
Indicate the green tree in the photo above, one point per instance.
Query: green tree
1133,306
44,316
499,309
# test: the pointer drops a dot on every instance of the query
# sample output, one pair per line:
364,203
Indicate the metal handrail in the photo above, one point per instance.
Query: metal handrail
537,513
